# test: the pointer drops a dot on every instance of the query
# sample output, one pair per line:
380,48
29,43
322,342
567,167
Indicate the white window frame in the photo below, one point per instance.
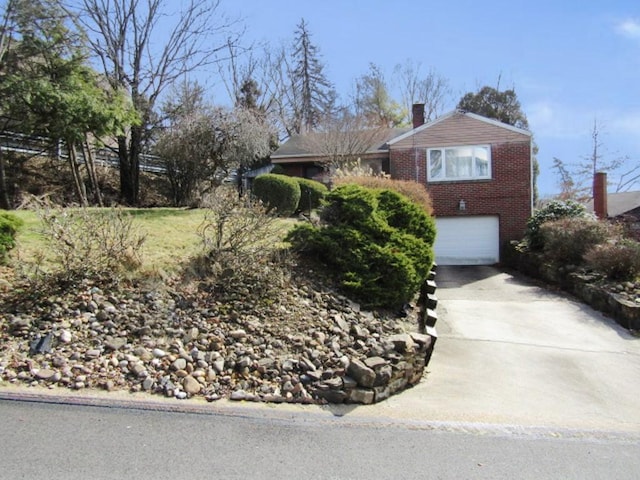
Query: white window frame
474,174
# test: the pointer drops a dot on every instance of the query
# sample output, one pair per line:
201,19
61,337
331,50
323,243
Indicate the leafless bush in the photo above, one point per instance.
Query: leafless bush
618,260
240,241
566,240
90,243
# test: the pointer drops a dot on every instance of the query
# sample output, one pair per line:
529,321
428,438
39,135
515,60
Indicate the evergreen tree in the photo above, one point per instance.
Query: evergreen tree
492,103
48,89
314,96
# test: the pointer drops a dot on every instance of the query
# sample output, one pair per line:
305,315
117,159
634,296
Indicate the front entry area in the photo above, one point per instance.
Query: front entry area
472,240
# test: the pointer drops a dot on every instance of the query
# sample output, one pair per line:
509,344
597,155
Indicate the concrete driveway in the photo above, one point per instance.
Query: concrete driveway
512,352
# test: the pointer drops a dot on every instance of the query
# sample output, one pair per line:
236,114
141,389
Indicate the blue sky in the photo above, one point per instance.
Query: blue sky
571,62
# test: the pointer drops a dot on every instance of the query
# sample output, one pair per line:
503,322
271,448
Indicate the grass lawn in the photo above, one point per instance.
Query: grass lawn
171,236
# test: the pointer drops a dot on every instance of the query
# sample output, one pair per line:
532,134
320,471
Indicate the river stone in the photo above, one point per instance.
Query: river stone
362,374
44,374
402,342
238,395
179,364
191,385
238,334
115,343
148,383
65,336
93,353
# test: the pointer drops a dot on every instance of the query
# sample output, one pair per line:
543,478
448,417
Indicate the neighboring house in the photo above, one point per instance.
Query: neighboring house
308,155
478,172
623,207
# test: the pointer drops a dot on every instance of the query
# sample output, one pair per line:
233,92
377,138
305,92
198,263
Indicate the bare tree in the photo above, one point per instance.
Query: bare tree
344,141
431,89
373,102
144,47
568,189
629,179
580,175
201,148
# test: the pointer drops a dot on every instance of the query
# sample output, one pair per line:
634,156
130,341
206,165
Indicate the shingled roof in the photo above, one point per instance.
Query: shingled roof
302,145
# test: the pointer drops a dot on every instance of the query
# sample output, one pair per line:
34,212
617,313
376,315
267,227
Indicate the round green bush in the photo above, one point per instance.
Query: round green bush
311,194
9,226
374,262
402,213
278,192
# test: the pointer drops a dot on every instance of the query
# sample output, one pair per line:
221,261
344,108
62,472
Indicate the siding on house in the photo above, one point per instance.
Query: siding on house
460,129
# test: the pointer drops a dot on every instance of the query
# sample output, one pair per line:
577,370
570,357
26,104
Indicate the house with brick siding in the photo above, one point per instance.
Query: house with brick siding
477,170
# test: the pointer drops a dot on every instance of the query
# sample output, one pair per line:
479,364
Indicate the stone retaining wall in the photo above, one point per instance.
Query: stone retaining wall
375,379
625,312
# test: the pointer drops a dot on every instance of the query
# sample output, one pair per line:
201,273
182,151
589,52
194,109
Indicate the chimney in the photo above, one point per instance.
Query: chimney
600,195
417,113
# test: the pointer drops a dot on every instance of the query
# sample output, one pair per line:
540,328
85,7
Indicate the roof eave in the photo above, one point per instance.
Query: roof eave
490,121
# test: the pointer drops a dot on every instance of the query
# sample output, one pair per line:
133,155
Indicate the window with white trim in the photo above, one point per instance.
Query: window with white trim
471,162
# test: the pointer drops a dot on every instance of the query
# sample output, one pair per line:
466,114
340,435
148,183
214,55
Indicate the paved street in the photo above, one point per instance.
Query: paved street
77,443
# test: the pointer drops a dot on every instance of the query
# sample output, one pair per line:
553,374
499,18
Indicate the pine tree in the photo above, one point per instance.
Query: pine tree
314,96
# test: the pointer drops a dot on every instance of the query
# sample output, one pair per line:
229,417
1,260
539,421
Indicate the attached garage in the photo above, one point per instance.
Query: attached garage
470,240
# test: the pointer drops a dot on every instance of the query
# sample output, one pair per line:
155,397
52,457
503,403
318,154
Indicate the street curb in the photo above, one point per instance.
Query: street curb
320,416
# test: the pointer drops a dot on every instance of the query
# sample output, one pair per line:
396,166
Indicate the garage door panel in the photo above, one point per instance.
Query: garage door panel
467,240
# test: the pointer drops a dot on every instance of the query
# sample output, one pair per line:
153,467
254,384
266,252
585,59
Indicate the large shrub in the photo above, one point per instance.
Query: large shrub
376,243
553,210
618,260
406,216
311,194
567,240
415,191
9,225
278,192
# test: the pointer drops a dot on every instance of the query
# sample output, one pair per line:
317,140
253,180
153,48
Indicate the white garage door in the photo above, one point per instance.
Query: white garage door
467,240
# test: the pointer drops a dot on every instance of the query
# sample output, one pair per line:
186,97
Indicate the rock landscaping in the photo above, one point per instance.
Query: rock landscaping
308,345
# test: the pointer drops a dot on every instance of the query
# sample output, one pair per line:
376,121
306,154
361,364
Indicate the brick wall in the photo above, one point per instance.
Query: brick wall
507,194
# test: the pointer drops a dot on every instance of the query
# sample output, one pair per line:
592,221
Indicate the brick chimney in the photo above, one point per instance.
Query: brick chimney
600,195
417,113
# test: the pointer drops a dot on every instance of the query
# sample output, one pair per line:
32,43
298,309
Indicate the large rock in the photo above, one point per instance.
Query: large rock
191,385
362,374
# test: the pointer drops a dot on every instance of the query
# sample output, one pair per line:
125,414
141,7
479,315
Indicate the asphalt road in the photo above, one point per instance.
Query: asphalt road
78,442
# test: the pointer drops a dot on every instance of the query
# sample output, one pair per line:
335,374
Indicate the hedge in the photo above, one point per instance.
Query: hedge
278,192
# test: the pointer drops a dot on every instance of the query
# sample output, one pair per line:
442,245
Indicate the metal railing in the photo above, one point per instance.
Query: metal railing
44,146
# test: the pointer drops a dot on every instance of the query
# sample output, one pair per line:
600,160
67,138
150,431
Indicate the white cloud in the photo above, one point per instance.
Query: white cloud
629,27
628,122
555,121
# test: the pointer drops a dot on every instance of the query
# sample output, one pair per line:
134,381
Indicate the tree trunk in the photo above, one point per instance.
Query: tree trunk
90,163
129,156
5,203
75,172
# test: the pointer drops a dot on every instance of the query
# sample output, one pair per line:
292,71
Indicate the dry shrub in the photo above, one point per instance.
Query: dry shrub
567,240
618,260
240,242
415,191
97,244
